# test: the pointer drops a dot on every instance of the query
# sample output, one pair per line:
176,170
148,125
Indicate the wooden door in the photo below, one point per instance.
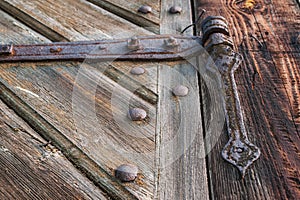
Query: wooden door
83,111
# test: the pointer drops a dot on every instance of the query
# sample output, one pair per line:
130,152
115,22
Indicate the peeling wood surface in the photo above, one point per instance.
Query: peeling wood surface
268,84
30,168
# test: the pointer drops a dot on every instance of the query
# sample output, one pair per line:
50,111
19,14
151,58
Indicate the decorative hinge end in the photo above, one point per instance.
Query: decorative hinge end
241,154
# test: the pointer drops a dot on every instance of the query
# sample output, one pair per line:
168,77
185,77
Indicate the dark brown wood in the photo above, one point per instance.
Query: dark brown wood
268,84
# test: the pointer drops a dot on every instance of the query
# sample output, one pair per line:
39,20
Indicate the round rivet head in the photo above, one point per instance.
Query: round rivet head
137,71
175,10
145,9
137,114
180,90
126,172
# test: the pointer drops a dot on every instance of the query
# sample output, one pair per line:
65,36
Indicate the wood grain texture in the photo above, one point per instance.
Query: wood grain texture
73,20
180,147
268,85
32,169
77,21
48,88
129,11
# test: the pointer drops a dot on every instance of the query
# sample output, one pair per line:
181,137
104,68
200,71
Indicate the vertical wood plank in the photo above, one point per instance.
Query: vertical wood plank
181,169
268,85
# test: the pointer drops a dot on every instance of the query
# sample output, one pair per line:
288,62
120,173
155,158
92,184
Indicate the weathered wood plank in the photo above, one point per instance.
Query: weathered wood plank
129,11
181,157
48,88
268,85
30,169
79,21
73,20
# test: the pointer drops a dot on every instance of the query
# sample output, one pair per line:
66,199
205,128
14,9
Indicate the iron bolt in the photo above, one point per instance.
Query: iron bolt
126,172
134,43
6,49
145,9
171,42
175,9
137,114
180,90
137,71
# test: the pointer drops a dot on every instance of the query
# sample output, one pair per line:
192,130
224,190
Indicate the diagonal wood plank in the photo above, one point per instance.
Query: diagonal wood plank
73,20
129,11
180,158
30,169
48,88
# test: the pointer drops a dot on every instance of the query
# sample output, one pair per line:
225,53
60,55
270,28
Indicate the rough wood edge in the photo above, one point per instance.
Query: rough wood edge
79,159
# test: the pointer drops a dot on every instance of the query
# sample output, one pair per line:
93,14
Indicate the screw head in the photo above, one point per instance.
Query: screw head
137,114
180,90
145,9
126,172
175,9
137,71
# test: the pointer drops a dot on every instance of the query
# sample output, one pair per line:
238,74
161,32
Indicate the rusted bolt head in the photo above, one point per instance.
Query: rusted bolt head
126,172
171,42
137,71
145,9
175,9
134,43
137,114
180,90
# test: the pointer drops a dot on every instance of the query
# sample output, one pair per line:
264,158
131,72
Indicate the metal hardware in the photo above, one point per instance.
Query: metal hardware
196,22
137,114
175,10
171,42
6,49
145,9
137,71
238,151
121,49
126,172
180,90
214,24
134,44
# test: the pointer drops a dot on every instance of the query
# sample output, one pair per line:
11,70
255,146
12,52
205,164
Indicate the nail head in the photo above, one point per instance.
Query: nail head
137,114
175,10
126,172
180,90
137,71
145,9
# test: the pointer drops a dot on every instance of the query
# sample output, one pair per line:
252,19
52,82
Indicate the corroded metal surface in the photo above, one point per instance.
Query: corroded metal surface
141,48
239,151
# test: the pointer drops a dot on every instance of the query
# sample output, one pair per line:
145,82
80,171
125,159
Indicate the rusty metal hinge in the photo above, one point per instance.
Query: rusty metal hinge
216,40
158,47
